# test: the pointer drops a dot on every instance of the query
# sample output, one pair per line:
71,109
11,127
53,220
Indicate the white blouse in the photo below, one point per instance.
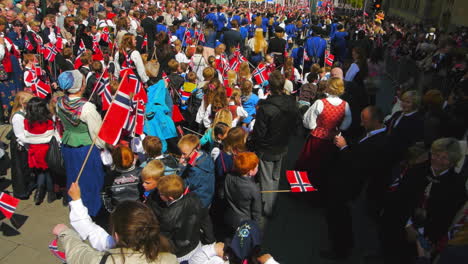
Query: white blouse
310,117
140,66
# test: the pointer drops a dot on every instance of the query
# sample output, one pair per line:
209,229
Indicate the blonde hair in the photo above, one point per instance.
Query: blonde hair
189,140
244,71
415,98
335,86
224,116
232,78
21,99
154,170
449,145
259,41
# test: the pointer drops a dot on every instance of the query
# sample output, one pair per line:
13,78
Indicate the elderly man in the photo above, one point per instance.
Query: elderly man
357,98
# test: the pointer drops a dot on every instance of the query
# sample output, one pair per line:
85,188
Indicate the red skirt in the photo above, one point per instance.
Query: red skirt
316,155
37,156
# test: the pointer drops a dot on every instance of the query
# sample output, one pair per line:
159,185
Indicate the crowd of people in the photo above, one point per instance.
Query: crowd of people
174,118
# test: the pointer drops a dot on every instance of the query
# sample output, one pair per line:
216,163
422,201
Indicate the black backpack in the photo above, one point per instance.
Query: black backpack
193,104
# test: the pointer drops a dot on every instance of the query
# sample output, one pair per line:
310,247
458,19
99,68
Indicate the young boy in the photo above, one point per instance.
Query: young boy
186,90
182,218
153,149
150,176
175,80
198,169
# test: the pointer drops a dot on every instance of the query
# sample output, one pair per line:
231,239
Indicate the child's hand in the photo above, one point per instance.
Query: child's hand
182,102
74,191
59,229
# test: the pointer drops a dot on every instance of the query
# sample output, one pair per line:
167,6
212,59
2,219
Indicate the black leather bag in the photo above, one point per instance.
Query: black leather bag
54,158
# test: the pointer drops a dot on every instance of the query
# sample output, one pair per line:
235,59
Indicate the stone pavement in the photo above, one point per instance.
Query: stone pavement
31,246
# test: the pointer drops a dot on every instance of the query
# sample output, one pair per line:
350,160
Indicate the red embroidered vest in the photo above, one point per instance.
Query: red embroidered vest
329,120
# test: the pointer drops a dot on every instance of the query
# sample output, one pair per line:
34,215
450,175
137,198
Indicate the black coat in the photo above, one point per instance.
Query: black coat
409,130
357,98
277,118
149,26
243,198
232,38
366,162
182,221
446,197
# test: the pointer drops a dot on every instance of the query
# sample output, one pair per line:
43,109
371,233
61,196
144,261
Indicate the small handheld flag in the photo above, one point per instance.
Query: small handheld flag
299,181
8,204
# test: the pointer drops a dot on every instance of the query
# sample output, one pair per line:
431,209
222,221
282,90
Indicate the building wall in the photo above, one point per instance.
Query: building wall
443,13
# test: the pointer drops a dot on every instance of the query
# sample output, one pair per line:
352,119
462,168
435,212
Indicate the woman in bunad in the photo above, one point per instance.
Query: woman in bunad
129,57
325,119
81,124
33,39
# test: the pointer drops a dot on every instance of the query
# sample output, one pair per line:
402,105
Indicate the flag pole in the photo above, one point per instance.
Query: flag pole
96,136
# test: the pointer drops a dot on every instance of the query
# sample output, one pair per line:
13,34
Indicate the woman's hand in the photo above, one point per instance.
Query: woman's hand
219,249
264,258
2,41
59,229
74,191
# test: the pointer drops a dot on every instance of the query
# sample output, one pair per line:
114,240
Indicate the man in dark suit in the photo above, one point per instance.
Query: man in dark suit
149,26
232,38
363,177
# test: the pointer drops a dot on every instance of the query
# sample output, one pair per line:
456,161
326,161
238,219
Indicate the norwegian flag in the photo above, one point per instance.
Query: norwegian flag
222,64
104,90
188,37
98,55
105,35
165,78
81,49
53,247
59,43
261,73
49,51
145,41
200,36
234,63
38,87
27,43
299,181
329,58
126,111
8,204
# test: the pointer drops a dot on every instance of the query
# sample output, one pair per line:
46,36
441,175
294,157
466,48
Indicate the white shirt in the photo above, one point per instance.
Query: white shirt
207,255
18,128
93,119
310,117
87,229
140,66
241,114
373,133
352,72
181,57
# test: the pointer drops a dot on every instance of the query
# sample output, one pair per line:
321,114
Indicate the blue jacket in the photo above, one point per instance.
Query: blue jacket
221,19
19,42
249,106
340,43
333,29
298,55
200,178
211,17
244,31
315,47
160,27
158,113
290,30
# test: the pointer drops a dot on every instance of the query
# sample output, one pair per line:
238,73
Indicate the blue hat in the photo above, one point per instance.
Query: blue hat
70,81
246,238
